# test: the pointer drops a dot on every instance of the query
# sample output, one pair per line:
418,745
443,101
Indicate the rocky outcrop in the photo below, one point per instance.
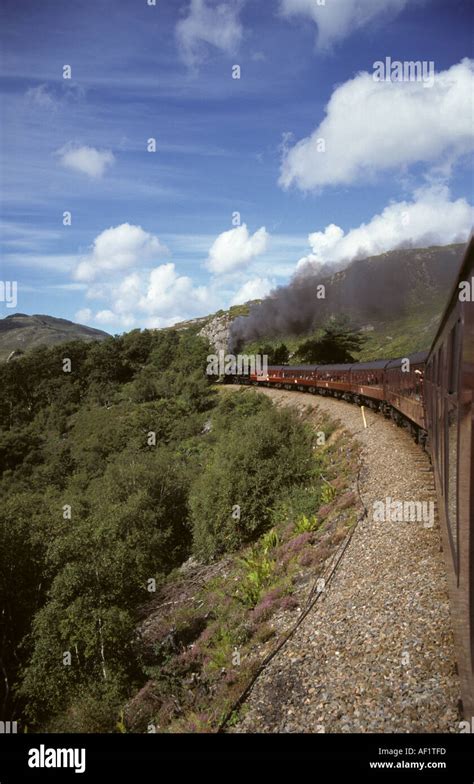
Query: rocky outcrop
217,332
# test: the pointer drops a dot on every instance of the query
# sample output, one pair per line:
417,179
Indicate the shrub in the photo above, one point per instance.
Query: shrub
258,571
258,458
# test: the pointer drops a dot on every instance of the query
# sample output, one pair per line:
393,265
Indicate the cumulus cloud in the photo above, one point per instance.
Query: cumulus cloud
156,298
168,292
119,248
209,24
106,317
83,315
255,288
120,272
235,248
336,21
373,126
431,218
86,160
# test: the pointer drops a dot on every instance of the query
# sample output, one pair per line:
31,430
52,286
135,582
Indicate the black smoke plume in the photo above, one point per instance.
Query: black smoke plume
377,288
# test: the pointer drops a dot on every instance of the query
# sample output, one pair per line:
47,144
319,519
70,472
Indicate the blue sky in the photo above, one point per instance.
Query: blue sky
321,161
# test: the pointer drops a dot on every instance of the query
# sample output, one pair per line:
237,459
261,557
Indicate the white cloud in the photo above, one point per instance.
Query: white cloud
336,21
40,96
156,297
235,248
83,315
119,248
168,292
212,24
256,288
430,219
107,317
373,126
86,160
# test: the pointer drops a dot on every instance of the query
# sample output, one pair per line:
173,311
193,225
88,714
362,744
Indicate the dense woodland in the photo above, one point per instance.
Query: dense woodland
95,506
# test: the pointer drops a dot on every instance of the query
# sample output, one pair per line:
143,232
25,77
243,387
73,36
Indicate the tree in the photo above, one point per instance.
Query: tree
81,440
137,530
277,355
257,458
165,348
137,346
281,355
336,346
22,584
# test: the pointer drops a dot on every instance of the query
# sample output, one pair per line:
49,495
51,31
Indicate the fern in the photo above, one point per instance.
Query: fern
327,494
306,524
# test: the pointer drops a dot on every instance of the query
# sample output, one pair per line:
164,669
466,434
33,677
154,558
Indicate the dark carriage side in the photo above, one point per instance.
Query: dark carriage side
449,386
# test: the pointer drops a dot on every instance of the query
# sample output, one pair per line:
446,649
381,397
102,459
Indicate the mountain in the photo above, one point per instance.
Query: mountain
19,333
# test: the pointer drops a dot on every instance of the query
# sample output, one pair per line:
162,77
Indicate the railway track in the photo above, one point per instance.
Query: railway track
377,653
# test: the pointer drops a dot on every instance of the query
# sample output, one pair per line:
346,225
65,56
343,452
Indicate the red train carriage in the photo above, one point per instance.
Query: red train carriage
404,387
367,381
380,384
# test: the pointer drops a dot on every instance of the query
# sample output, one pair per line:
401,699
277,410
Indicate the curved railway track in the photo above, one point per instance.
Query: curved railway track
376,653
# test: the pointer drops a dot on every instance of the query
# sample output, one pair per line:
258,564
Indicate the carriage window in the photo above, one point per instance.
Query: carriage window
439,368
454,351
452,438
452,474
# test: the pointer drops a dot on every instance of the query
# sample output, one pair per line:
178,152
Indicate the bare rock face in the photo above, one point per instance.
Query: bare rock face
217,332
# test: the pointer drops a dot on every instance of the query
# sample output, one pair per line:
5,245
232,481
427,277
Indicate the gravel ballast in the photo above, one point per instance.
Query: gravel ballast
375,654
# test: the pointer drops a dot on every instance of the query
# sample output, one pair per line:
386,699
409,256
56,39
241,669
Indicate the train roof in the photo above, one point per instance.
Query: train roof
331,368
293,367
309,367
419,358
466,268
376,365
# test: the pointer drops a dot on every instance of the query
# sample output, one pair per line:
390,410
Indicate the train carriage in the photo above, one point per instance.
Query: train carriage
404,387
367,380
449,385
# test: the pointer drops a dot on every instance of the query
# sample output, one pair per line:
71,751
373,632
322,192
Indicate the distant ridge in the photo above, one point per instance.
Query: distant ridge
20,333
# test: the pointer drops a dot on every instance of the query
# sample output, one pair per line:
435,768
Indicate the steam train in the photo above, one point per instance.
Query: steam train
431,394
